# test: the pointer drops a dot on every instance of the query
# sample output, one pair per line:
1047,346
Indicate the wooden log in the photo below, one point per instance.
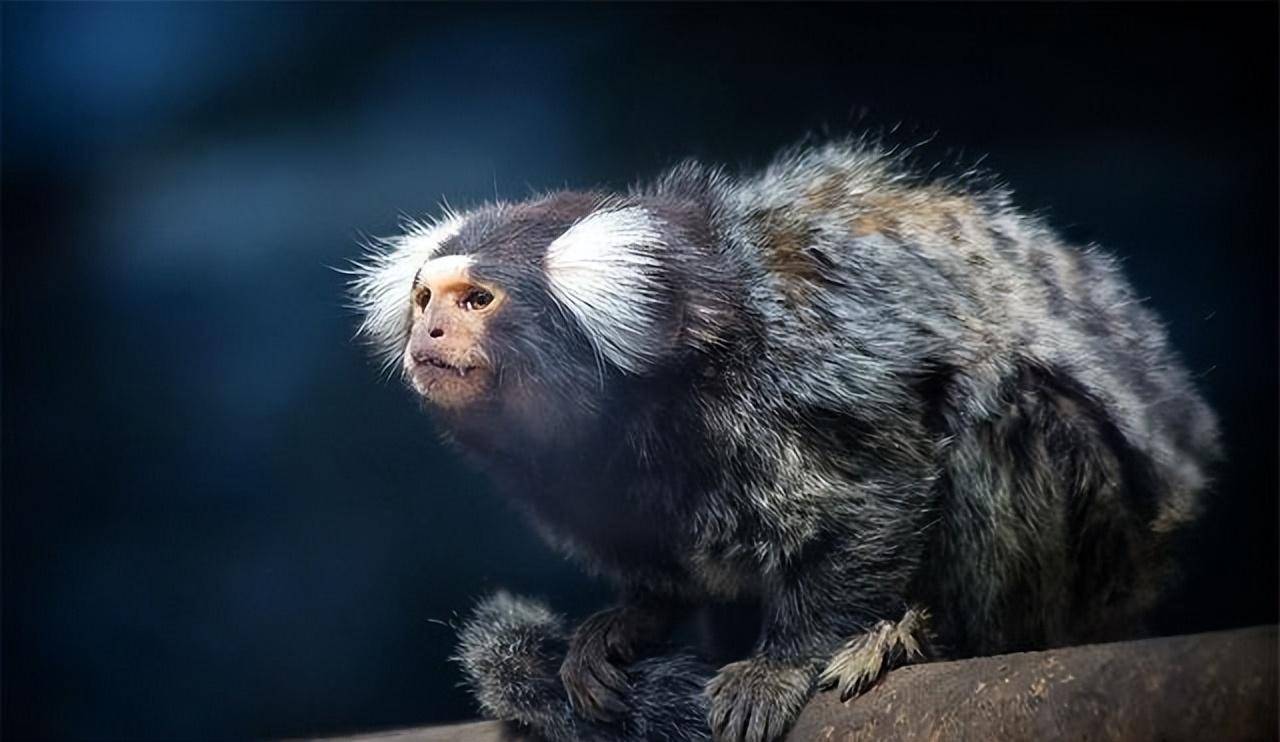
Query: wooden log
1218,686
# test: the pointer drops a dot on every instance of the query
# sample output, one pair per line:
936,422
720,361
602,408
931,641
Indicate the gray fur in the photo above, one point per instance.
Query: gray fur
869,391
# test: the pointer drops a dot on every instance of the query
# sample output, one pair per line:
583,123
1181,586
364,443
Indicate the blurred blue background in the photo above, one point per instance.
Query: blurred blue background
219,522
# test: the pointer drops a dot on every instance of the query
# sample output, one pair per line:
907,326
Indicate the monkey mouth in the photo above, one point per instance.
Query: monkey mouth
444,365
449,385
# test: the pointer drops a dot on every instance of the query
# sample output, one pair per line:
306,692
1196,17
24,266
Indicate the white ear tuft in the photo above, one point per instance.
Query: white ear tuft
603,271
383,281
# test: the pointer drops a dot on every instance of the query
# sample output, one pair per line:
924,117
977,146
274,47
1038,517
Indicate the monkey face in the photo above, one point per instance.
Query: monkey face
445,358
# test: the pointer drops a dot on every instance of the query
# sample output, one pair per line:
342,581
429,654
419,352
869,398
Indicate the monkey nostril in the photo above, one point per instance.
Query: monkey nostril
436,333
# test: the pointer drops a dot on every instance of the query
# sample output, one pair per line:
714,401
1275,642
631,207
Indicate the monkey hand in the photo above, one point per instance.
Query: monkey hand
591,674
756,700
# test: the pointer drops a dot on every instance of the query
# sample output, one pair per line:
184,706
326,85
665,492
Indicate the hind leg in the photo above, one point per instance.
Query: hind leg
867,656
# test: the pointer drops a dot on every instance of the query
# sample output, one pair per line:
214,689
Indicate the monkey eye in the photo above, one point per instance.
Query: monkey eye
423,297
477,299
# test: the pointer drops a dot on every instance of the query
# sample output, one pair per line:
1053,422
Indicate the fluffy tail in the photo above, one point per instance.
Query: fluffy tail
511,649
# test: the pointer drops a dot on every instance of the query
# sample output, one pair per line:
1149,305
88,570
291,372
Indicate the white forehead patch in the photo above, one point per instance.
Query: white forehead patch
603,271
441,267
383,281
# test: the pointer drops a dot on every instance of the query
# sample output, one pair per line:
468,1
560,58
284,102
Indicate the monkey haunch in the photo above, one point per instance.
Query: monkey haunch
852,393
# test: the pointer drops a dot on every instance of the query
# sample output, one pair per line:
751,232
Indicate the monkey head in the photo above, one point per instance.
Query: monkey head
539,317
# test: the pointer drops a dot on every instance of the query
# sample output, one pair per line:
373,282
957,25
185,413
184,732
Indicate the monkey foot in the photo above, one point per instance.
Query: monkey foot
867,656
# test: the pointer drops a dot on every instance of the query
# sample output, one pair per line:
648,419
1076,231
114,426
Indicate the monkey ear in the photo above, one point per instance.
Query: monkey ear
605,272
382,282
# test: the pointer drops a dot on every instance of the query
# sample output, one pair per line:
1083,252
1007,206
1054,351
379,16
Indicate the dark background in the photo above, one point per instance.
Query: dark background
219,522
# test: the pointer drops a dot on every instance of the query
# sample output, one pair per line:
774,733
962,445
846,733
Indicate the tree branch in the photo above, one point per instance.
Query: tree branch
1220,685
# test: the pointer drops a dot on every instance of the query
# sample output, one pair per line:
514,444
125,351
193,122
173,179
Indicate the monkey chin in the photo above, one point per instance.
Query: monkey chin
450,387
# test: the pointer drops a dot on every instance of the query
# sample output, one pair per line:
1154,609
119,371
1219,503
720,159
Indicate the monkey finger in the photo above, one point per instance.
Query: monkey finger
758,725
739,716
612,705
577,686
827,681
853,685
604,704
771,723
719,716
611,677
601,688
584,702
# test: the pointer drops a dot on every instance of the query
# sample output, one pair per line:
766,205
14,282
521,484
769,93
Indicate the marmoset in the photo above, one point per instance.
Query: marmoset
905,417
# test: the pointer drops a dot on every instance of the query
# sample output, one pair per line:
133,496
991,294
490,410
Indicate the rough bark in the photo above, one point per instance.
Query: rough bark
1220,686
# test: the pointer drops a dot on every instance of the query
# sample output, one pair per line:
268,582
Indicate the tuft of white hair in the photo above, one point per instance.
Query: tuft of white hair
382,283
603,272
